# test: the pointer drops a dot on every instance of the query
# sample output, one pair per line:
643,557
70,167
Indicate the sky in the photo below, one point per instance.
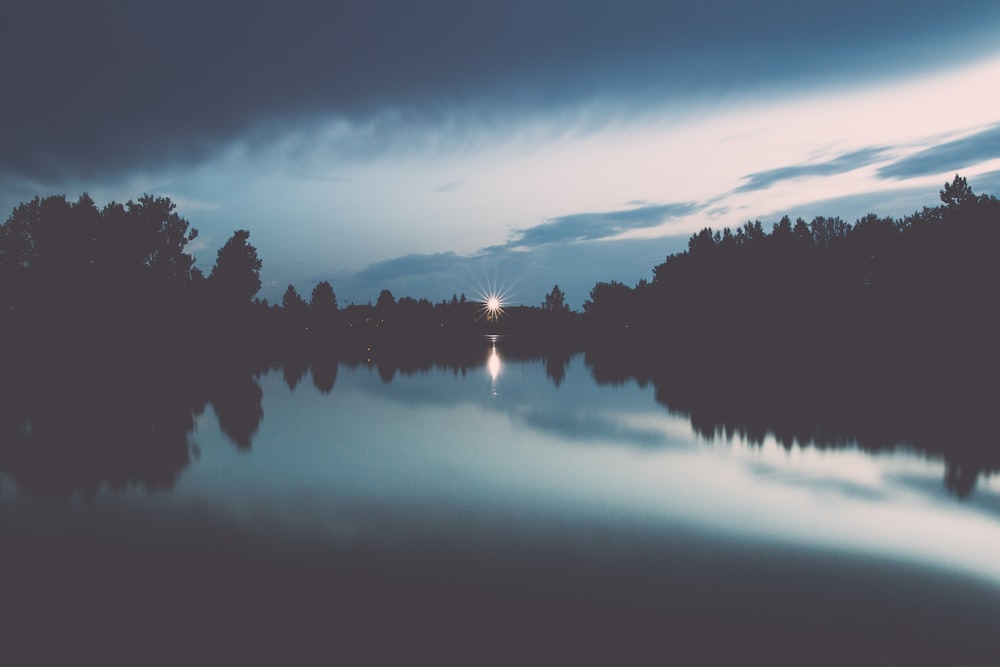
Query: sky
449,146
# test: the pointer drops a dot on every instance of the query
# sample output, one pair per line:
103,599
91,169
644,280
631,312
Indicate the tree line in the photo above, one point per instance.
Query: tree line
918,290
894,289
76,279
119,284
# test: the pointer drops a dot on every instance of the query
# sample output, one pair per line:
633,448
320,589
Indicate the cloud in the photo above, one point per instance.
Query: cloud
839,165
139,83
391,270
595,226
951,156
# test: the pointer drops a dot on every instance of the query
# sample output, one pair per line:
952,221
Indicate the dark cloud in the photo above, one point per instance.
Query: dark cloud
839,165
101,87
947,157
594,226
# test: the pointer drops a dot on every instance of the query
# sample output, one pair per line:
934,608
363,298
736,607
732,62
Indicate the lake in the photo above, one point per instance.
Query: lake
507,510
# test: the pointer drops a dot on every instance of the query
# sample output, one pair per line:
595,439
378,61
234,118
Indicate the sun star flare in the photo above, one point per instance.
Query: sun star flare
492,305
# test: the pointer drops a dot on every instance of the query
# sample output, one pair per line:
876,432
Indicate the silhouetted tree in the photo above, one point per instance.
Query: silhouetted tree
323,306
827,232
957,193
235,278
610,304
295,312
385,300
75,277
52,236
161,238
292,302
555,301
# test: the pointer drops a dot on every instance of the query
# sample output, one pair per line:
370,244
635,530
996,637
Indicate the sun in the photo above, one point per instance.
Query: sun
493,300
492,305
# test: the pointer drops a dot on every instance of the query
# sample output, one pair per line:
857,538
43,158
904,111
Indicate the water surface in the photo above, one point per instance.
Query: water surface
509,510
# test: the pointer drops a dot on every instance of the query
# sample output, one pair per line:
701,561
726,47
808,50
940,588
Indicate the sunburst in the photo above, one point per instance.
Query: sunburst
492,305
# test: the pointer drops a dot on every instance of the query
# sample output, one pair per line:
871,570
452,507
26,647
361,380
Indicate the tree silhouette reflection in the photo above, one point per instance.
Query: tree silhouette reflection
294,369
324,372
808,406
555,367
70,429
386,371
237,400
960,478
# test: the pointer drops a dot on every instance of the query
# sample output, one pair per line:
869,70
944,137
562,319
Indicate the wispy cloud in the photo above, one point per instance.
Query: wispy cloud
947,157
603,225
387,271
842,164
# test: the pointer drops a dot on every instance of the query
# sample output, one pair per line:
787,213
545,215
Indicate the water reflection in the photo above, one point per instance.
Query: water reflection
493,365
69,430
324,372
754,403
563,509
555,367
237,397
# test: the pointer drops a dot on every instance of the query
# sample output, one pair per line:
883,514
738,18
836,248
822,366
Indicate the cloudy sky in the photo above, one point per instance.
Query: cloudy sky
447,146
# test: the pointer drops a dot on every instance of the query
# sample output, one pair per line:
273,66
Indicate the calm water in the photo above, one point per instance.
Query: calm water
493,515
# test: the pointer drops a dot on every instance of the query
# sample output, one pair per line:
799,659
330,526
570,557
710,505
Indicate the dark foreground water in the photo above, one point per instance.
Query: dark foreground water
500,514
